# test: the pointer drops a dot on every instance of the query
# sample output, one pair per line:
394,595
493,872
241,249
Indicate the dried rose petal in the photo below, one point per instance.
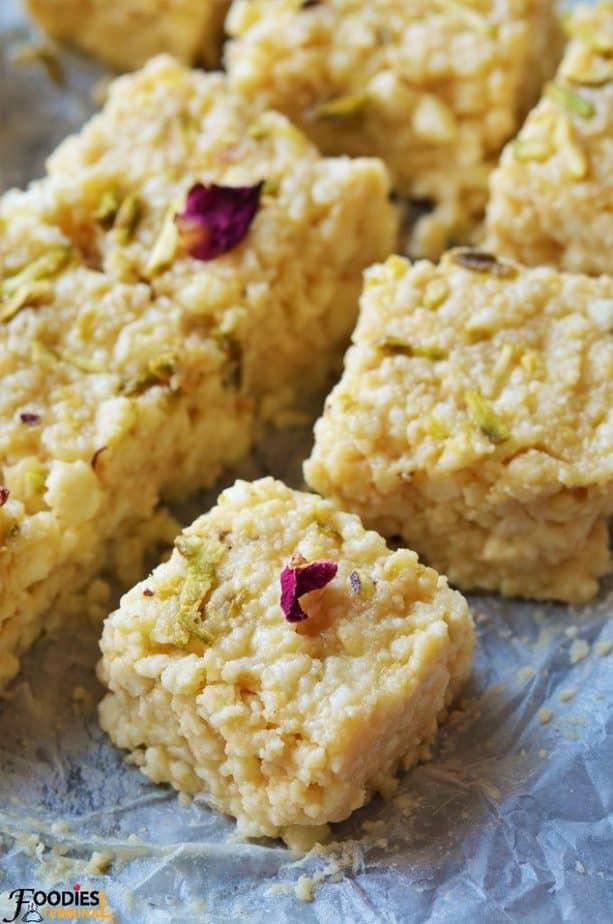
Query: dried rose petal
4,495
298,579
147,592
216,218
28,418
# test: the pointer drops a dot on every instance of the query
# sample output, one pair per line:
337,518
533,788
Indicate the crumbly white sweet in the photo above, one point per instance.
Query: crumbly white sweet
286,726
475,419
131,370
434,87
127,33
552,195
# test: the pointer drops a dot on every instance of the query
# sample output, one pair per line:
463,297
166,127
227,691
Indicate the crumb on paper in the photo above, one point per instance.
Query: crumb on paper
305,889
579,650
603,648
526,673
544,716
566,694
99,862
580,868
571,631
543,754
60,827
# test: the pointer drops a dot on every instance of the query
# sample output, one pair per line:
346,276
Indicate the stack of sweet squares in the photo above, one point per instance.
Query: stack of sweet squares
191,265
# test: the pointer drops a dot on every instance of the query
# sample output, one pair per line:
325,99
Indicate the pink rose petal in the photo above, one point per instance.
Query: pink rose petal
216,218
300,579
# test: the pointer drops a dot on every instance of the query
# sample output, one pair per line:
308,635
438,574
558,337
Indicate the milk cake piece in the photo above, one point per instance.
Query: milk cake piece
552,196
132,369
434,87
126,34
475,419
289,713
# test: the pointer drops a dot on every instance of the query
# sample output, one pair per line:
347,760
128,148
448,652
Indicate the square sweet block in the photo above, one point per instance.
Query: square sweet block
289,713
552,195
125,34
132,369
475,419
434,87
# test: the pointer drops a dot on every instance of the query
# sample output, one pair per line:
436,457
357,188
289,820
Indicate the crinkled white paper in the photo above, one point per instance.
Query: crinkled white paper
512,820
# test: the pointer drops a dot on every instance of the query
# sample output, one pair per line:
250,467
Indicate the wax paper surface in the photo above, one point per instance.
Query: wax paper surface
511,820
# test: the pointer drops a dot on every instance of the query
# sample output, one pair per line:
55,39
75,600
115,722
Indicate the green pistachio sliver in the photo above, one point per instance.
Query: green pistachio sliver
478,261
486,418
476,333
43,53
29,295
342,107
426,351
107,208
165,248
160,371
128,216
532,149
203,557
570,100
271,187
257,131
437,291
44,267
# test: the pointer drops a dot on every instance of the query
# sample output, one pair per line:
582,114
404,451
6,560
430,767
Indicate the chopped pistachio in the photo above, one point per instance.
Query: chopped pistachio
257,131
576,159
329,530
476,333
165,247
29,295
107,207
160,371
532,149
232,373
436,293
486,418
570,100
480,262
43,53
128,216
203,557
44,267
398,345
271,187
343,107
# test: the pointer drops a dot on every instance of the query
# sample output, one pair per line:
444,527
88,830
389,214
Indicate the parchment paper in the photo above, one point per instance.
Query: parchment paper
511,822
